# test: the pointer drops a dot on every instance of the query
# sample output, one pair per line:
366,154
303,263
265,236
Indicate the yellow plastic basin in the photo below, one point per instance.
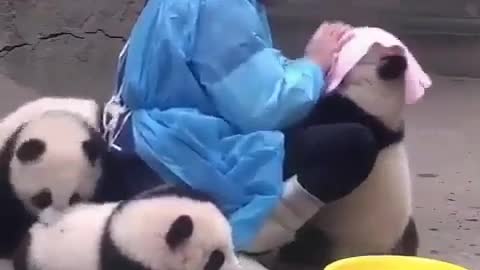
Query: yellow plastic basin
391,263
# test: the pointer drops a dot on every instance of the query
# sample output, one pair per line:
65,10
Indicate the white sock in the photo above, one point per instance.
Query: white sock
296,207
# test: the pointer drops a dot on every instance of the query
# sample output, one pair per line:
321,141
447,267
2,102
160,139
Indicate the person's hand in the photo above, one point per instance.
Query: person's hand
327,41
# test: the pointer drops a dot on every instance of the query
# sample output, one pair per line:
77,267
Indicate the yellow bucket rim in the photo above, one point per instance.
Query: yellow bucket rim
353,261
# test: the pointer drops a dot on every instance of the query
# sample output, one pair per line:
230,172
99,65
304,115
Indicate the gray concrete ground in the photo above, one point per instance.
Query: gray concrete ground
443,139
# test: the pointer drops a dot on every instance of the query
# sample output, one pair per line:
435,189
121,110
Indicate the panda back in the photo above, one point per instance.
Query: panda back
71,243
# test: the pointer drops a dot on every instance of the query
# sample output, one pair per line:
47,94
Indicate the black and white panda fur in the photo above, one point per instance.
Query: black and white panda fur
50,158
88,109
167,228
376,218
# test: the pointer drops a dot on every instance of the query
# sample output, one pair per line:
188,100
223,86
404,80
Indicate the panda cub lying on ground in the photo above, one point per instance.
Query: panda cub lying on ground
50,158
167,228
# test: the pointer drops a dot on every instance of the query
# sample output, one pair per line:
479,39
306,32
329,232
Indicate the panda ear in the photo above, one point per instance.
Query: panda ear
392,67
180,231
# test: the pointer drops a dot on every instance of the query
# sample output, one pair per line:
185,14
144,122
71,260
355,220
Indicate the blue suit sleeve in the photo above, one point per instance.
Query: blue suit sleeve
268,91
217,57
253,86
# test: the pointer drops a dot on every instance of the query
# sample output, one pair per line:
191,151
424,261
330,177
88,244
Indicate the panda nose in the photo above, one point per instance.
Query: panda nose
42,199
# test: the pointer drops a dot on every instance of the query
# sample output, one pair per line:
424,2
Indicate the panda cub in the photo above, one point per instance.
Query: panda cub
167,228
376,218
49,162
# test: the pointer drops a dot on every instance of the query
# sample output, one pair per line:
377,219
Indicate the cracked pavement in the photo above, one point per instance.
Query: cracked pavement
8,48
54,45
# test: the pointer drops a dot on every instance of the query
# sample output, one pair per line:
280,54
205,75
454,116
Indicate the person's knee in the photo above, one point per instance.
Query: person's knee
355,152
358,145
342,144
340,160
343,141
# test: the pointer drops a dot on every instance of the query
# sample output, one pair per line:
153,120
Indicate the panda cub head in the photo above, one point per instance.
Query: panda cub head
52,160
377,85
168,230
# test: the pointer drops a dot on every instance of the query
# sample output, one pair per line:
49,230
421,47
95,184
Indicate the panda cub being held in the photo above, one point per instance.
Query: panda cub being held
50,161
165,228
376,218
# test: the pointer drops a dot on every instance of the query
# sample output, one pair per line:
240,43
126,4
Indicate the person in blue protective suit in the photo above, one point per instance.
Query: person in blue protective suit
204,100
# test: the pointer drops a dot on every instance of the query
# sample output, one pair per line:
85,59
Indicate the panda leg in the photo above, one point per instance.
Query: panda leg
311,247
330,160
408,244
20,257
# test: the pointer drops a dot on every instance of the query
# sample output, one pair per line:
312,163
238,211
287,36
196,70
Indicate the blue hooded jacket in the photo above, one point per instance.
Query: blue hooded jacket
208,96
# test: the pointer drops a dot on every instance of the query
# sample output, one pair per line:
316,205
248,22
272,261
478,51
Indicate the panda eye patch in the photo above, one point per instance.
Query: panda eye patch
180,231
43,199
75,199
31,150
95,147
215,261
